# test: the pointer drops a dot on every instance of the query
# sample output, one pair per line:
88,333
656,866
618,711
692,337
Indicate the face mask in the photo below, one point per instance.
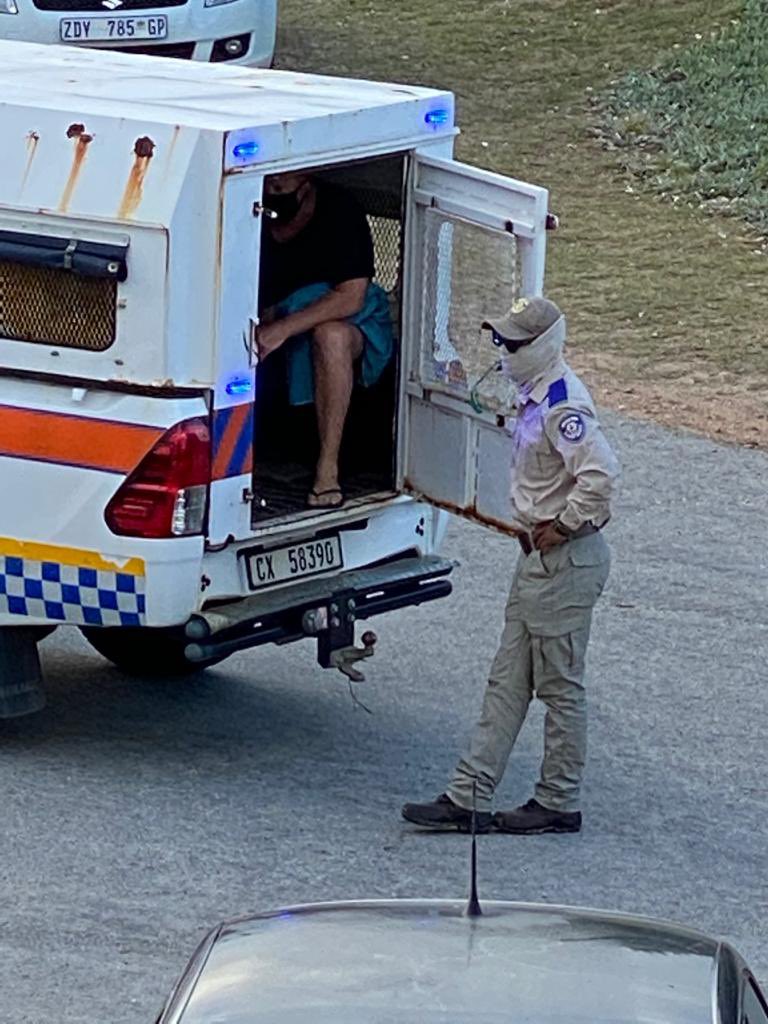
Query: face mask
531,361
285,204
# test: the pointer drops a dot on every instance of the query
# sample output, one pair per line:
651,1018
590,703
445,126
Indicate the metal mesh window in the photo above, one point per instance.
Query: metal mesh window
386,248
377,187
57,307
468,273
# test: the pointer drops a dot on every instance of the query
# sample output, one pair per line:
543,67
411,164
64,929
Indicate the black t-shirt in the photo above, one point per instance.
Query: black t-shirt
335,246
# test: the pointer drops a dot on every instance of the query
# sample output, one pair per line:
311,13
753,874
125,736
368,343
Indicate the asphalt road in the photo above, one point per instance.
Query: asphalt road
137,814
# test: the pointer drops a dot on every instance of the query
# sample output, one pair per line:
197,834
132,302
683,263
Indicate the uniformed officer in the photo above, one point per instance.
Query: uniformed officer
563,477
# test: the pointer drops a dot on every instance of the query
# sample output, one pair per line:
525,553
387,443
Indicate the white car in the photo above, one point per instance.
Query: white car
236,31
429,962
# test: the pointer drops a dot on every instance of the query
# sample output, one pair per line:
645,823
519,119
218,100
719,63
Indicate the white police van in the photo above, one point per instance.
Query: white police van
154,495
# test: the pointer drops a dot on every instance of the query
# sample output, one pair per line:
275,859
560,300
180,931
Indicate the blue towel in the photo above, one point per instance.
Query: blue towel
374,322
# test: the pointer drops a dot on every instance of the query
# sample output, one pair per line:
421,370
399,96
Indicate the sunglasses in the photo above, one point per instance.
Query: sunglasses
507,343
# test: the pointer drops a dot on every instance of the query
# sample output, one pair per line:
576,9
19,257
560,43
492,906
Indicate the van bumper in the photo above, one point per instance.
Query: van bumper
326,609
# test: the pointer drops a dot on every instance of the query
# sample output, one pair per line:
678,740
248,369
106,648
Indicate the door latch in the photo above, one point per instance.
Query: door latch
253,334
258,209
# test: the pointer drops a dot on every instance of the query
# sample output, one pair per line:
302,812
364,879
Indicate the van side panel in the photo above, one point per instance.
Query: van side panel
150,189
64,452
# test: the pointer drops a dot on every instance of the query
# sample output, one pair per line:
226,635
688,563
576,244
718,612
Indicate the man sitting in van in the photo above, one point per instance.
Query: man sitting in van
318,301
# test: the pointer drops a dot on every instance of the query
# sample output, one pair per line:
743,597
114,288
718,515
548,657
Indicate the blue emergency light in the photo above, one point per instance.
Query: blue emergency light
246,150
438,117
239,386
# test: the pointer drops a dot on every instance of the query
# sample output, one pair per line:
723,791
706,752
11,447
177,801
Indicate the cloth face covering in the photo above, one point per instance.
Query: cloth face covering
532,361
285,204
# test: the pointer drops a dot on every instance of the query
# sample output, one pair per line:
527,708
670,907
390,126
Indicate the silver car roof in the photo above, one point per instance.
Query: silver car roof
388,961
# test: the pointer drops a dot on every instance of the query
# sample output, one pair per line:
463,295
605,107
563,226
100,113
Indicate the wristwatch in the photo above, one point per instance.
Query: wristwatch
561,528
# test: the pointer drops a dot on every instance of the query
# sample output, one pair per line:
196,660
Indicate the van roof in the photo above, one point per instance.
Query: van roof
122,137
184,93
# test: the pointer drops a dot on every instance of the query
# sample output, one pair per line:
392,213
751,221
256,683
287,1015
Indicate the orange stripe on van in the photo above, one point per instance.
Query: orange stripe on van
233,441
74,440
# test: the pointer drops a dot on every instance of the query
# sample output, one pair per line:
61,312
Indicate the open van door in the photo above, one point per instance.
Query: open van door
475,241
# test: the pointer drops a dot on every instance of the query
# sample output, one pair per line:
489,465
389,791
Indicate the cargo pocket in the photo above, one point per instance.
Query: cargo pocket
557,592
577,650
589,565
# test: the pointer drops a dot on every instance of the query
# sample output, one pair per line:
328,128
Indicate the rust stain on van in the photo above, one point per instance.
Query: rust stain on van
82,141
172,143
32,140
470,511
171,149
134,189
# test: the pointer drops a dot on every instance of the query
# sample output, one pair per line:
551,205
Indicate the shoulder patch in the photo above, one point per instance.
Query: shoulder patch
572,427
558,392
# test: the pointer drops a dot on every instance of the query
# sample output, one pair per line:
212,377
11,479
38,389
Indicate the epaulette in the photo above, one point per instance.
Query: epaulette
558,392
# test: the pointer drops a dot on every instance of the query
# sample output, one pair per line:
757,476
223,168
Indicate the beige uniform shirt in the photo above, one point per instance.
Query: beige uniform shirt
562,465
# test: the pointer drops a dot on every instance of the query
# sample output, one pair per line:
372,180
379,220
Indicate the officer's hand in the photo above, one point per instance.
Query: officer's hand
546,537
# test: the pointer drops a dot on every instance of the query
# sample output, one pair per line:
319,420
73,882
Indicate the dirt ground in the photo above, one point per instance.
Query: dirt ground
666,305
717,404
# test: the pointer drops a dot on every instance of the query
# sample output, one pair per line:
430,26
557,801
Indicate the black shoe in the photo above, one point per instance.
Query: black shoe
445,815
533,819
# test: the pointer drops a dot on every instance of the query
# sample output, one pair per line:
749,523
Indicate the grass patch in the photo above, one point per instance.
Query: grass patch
654,292
697,124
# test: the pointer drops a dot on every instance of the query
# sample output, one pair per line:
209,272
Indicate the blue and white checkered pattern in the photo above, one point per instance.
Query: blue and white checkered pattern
70,593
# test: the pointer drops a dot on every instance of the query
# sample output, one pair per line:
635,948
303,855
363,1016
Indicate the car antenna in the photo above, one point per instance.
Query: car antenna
473,906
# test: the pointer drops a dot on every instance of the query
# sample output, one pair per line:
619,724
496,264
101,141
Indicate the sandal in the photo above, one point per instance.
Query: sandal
319,495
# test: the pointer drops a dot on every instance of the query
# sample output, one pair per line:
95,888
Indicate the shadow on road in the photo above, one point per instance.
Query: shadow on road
259,711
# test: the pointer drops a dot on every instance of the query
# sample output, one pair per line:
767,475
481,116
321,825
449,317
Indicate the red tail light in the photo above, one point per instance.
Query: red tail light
167,493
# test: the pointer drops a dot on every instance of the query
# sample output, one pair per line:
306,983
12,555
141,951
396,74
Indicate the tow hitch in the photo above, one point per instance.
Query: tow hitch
334,626
324,609
345,658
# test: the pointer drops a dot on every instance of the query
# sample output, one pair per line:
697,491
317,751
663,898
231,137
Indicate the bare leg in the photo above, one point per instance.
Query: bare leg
335,347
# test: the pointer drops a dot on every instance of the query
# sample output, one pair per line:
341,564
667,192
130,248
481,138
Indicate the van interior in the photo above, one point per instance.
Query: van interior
286,439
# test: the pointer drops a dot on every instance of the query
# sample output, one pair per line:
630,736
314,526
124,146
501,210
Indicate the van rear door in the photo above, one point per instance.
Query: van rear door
475,241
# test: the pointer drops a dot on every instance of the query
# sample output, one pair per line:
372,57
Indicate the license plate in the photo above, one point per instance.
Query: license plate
123,29
312,558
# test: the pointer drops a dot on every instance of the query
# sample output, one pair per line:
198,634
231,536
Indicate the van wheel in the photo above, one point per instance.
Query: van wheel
143,651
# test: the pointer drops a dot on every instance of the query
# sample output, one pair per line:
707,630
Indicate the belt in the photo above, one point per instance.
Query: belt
525,540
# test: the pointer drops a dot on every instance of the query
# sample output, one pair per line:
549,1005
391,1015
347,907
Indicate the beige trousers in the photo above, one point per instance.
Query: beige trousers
542,652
